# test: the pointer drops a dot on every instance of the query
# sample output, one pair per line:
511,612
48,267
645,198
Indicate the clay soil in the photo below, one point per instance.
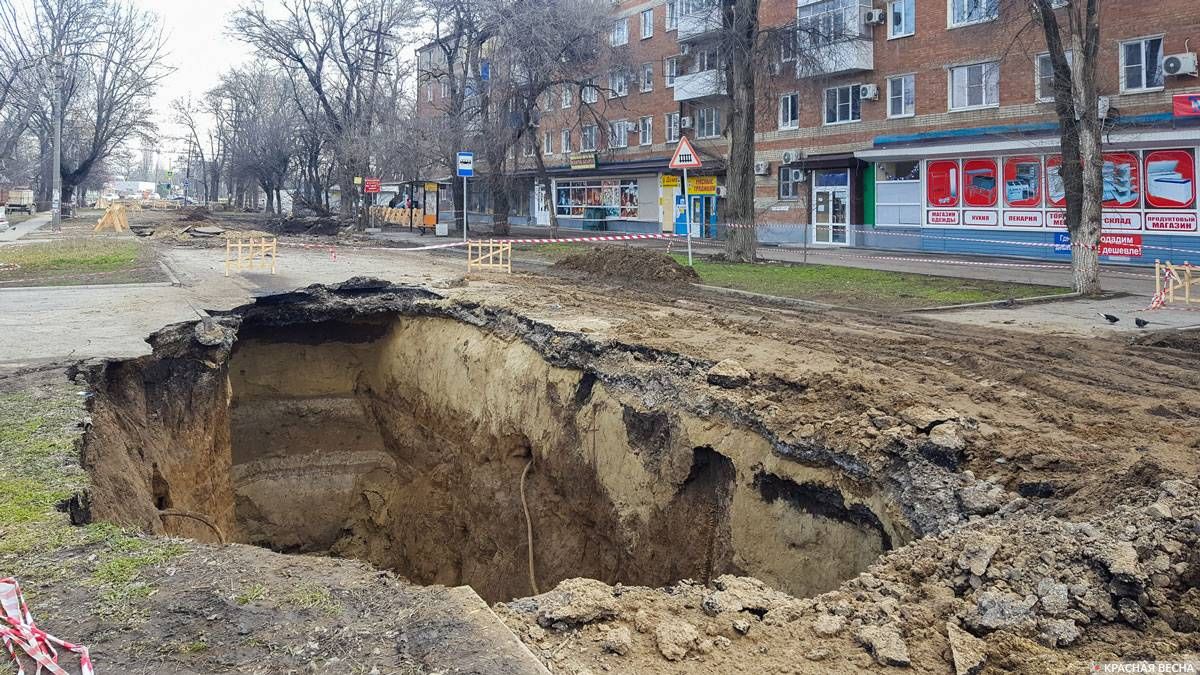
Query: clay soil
629,264
1077,527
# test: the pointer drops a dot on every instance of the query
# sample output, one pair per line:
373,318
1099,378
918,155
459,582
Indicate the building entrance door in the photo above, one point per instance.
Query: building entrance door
831,207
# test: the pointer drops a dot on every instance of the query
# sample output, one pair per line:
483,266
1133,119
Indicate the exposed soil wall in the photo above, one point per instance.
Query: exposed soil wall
400,438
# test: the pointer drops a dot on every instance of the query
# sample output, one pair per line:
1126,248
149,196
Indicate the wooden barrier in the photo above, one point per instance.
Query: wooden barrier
1168,279
489,255
250,252
114,218
389,216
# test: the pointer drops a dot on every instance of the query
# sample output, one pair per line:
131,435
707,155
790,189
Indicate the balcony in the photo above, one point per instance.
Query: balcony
844,56
700,85
699,22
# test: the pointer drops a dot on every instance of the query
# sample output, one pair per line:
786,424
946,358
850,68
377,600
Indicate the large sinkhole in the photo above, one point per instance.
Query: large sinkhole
402,441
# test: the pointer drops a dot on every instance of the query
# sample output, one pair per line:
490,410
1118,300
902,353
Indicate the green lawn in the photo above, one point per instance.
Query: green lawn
76,261
852,286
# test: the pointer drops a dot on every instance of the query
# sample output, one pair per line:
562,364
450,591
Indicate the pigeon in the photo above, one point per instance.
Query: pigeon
1141,323
1110,318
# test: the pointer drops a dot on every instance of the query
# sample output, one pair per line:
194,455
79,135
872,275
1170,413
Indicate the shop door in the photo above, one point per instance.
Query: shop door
541,205
831,207
704,216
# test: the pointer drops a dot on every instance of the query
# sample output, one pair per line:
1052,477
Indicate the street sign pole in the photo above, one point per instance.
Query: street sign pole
466,169
687,216
464,209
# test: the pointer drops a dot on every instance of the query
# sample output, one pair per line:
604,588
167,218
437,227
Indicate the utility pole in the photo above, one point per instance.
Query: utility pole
56,178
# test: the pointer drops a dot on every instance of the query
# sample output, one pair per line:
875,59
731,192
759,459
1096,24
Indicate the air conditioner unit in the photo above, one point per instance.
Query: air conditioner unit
875,17
762,168
685,122
1180,64
792,156
869,91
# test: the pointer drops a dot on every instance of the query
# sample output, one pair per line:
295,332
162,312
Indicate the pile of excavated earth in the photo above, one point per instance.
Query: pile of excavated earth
648,483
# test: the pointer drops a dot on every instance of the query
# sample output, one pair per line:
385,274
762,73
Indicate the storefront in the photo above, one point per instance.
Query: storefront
1008,197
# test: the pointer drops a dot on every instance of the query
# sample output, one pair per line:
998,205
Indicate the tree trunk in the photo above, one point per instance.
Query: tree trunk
741,241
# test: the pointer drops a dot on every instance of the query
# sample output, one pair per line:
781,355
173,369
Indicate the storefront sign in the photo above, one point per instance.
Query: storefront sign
981,218
583,161
670,180
943,218
1121,220
1171,222
431,187
1056,219
1023,219
1187,105
702,185
1062,243
1121,245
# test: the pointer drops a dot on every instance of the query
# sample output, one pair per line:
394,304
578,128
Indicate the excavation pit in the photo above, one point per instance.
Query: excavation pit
388,426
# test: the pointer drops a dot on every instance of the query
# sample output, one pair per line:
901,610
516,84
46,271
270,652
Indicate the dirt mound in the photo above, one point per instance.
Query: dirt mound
308,225
623,262
196,215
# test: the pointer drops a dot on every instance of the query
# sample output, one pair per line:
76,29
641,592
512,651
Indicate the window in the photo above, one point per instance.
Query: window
587,139
709,125
672,14
618,84
527,147
789,111
672,127
647,77
902,96
619,198
429,92
966,12
1045,76
789,182
829,21
975,86
548,143
902,18
567,97
707,59
565,141
590,93
787,46
618,134
445,89
620,32
646,131
671,70
648,23
843,104
1141,64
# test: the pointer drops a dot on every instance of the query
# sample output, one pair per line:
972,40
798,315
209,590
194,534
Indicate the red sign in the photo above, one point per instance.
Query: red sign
980,183
685,156
1170,179
1022,181
1123,245
1056,189
1187,105
372,185
1122,181
941,184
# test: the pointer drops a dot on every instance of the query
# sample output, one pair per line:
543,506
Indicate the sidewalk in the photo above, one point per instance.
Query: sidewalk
21,229
1117,278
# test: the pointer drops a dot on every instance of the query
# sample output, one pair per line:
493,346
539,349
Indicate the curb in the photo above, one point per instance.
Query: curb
778,298
150,284
1015,302
170,274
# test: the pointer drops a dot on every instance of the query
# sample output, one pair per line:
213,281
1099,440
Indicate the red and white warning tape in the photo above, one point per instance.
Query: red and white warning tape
579,240
19,630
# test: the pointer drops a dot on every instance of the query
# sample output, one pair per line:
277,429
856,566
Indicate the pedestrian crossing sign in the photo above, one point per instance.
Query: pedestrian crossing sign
685,156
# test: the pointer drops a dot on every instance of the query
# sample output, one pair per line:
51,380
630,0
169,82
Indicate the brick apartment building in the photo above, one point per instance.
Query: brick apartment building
926,125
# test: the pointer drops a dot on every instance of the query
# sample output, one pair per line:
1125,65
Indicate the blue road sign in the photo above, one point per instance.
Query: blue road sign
466,164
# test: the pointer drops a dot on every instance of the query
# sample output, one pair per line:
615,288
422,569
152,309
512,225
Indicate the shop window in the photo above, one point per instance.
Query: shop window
671,70
902,18
967,12
902,96
620,32
587,139
646,131
789,111
648,24
1141,64
647,77
843,104
1122,180
619,198
898,194
980,183
790,182
975,86
1022,182
709,123
888,172
941,184
672,127
1170,179
618,134
1045,76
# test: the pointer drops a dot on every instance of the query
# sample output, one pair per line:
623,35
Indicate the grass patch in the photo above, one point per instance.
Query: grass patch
73,261
854,286
312,596
250,594
551,252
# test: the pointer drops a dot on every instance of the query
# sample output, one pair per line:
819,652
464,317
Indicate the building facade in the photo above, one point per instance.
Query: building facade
912,124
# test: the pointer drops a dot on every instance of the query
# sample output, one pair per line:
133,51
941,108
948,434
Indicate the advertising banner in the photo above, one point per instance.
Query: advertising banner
980,183
670,180
1170,179
702,185
1187,105
1121,245
1122,180
1022,182
941,184
1171,222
